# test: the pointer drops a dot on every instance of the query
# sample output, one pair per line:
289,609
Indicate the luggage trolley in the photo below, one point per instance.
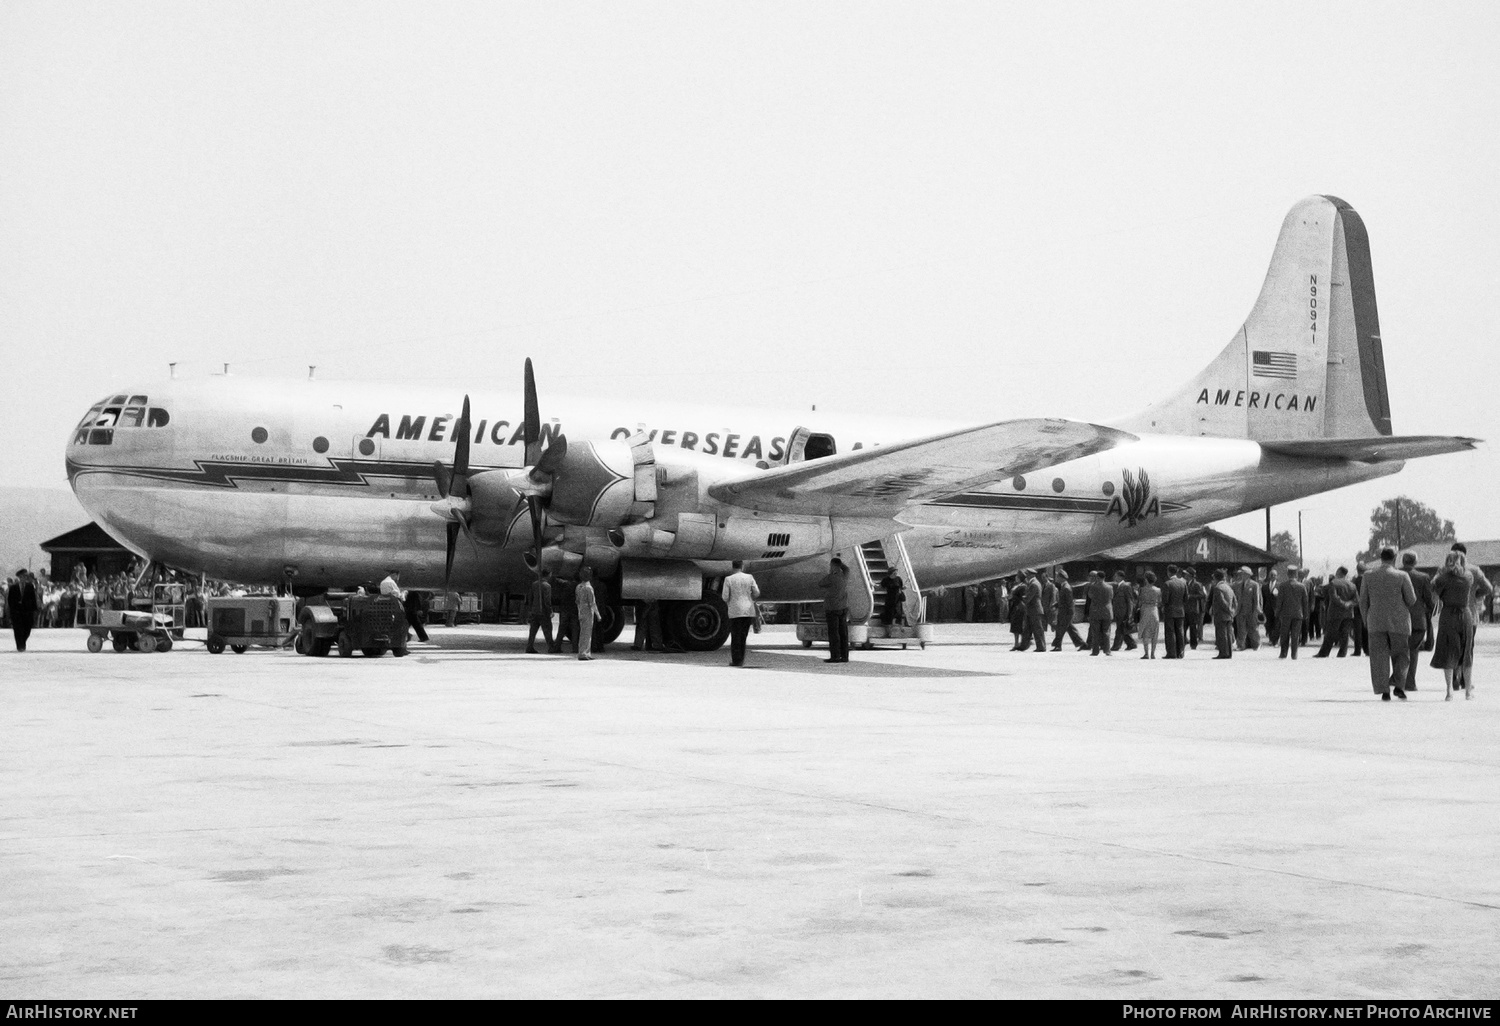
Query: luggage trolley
145,630
131,628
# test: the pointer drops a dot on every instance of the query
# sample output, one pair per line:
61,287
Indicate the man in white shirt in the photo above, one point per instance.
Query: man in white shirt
392,585
740,593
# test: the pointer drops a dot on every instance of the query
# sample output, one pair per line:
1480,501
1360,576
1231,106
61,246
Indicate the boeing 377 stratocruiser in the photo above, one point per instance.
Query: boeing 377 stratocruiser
331,484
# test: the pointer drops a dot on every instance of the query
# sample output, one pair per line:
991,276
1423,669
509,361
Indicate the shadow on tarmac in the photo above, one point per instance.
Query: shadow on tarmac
759,657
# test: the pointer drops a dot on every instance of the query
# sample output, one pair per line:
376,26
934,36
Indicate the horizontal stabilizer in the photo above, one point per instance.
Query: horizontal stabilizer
882,481
1380,449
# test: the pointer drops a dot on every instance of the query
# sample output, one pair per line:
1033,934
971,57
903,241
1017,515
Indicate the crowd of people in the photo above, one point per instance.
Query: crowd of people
34,600
1389,614
1370,610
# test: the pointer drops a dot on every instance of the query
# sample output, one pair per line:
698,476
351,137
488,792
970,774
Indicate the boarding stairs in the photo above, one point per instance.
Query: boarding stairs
879,555
867,566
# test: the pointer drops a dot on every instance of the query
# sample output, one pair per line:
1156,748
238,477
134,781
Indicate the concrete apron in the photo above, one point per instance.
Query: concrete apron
965,821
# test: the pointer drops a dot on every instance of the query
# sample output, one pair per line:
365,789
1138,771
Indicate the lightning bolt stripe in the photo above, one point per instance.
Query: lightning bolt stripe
1040,503
348,473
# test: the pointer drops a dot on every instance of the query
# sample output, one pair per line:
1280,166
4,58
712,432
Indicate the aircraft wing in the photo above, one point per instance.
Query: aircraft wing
1379,449
881,481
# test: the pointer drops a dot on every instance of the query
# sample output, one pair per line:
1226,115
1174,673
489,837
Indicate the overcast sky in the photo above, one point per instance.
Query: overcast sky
974,211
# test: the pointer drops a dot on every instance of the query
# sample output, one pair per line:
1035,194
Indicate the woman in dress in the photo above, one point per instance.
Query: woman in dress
1451,590
1148,604
894,610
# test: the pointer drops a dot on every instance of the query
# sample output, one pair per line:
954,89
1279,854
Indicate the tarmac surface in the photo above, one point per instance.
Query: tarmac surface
960,822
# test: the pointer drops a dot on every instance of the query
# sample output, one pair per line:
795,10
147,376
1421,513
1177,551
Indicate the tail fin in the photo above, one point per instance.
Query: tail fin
1308,363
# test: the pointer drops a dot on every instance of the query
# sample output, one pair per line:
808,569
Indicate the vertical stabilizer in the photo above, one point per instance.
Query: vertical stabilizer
1308,363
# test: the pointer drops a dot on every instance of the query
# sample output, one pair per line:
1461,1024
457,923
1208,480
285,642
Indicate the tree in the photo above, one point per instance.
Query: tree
1284,548
1408,518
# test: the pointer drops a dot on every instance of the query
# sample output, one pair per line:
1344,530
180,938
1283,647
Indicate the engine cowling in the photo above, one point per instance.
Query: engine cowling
603,484
498,516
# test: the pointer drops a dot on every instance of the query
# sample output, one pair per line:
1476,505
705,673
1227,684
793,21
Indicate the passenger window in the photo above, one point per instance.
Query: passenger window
158,417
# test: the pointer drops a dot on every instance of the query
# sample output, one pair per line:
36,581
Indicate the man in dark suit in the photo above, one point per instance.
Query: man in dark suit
1197,608
1036,613
20,603
1358,630
1174,611
1124,611
1339,599
1291,612
1064,619
539,611
1421,615
1386,597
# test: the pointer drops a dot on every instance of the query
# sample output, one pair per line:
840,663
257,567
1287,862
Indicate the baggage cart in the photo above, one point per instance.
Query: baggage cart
127,629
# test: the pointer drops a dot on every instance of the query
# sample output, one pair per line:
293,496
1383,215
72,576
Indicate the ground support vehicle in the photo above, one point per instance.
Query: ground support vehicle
372,624
237,622
131,629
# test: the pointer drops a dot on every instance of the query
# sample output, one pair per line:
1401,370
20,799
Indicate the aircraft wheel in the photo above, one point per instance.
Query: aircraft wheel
215,644
610,625
346,646
95,643
119,642
238,649
374,652
146,643
699,626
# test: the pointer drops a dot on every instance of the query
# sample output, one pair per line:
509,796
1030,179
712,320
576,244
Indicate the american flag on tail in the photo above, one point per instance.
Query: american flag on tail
1273,365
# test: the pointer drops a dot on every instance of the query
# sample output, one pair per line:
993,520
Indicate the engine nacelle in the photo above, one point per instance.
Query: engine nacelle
743,534
499,516
603,484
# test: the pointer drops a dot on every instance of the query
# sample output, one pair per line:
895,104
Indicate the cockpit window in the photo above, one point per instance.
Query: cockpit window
98,425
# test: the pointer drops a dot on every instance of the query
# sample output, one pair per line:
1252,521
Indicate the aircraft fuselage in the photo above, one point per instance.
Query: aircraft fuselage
244,479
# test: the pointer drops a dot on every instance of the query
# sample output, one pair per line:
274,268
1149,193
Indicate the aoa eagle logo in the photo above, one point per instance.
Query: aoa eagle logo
1134,502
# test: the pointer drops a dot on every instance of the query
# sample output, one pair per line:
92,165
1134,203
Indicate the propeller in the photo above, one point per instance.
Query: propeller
543,464
453,486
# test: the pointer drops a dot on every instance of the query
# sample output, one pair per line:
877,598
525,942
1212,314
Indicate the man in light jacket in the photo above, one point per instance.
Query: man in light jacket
1100,602
1247,619
740,593
1222,606
1385,600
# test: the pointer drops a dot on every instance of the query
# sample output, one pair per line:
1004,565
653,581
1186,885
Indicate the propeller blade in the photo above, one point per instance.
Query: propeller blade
461,453
535,505
453,530
441,476
552,457
533,424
